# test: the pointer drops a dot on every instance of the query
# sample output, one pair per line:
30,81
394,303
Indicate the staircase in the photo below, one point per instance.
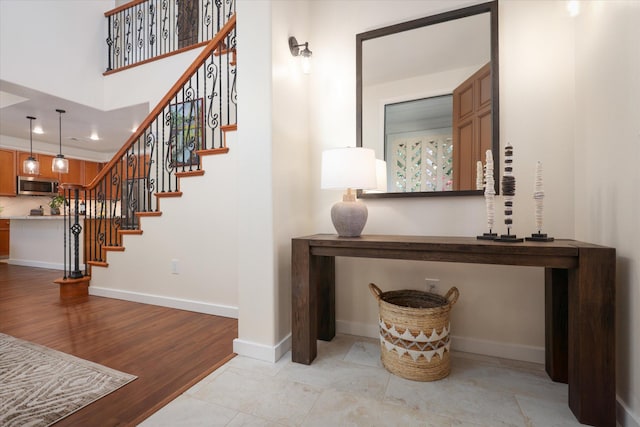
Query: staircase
174,146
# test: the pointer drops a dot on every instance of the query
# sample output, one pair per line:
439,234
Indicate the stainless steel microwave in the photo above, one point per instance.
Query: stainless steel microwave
34,186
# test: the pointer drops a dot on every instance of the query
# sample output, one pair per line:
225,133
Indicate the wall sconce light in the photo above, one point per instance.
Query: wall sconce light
60,164
305,53
31,166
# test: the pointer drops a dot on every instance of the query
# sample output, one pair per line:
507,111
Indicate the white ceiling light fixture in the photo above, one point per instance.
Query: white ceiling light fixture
94,137
573,6
60,164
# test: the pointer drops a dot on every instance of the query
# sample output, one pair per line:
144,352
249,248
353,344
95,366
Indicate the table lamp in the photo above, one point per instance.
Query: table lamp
349,169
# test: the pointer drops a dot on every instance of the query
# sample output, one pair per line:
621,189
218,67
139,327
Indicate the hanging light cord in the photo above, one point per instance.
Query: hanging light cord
60,128
31,119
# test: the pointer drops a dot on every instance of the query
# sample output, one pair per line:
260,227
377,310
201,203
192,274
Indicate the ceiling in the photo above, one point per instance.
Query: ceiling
78,123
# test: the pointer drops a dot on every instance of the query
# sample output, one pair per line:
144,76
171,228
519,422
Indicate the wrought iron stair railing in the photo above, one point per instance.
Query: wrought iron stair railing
190,121
144,30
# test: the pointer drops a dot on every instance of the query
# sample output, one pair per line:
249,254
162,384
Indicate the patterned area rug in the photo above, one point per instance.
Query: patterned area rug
40,386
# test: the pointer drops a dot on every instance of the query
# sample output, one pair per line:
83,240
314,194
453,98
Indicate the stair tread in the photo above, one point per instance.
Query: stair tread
132,232
98,263
113,248
186,174
212,151
169,194
153,213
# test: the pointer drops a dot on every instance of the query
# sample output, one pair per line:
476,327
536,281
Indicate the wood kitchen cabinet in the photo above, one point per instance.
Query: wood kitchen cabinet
4,238
91,170
7,172
76,171
46,161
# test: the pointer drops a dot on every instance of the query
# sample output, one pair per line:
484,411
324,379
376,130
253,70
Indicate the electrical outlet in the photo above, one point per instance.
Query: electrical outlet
431,285
175,266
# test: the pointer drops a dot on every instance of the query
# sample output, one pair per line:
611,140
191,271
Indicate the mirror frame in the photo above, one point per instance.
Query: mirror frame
492,9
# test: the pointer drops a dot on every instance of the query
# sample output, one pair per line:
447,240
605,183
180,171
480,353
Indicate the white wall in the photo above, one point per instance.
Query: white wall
607,177
273,140
501,309
196,231
290,121
256,250
145,83
60,46
66,57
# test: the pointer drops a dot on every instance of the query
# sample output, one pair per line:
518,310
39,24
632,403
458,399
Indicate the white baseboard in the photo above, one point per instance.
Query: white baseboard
469,345
624,416
37,264
181,304
357,328
527,353
259,351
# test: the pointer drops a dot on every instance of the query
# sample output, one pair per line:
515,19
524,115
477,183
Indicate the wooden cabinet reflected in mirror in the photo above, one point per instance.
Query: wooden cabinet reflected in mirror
428,100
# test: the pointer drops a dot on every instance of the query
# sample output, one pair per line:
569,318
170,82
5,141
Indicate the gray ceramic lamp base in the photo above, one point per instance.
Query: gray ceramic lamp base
349,218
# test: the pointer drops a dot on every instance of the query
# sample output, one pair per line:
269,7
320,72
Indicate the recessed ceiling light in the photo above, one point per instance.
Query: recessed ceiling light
94,137
573,6
38,130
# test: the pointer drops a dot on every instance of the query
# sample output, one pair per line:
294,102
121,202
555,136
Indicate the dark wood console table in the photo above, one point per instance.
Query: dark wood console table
579,301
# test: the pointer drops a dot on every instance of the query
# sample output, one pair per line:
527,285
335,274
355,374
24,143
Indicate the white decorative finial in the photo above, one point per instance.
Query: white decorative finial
538,195
489,190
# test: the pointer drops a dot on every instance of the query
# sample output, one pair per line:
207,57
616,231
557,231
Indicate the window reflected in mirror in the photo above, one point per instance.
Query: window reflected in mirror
418,144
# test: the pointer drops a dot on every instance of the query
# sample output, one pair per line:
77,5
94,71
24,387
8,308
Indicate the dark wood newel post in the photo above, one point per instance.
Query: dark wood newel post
76,229
74,284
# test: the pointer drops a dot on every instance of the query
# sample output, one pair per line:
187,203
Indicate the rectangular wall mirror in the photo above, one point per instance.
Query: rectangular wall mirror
428,101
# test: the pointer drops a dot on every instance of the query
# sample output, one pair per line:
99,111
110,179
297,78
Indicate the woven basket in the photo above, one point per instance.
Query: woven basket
414,332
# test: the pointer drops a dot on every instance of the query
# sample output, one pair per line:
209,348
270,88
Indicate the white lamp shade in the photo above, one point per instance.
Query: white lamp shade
381,176
351,167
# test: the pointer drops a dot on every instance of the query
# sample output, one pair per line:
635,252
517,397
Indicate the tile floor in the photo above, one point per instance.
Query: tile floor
347,386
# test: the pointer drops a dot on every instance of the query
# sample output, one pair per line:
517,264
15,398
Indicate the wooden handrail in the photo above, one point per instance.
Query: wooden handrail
211,46
123,7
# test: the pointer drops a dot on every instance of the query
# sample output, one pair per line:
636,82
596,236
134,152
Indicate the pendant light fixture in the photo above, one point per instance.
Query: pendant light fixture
60,164
31,166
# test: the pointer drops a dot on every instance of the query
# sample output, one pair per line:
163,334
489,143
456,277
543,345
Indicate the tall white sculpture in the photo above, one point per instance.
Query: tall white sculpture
538,196
489,197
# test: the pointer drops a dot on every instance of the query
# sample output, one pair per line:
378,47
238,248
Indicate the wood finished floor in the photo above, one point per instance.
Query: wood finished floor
169,350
